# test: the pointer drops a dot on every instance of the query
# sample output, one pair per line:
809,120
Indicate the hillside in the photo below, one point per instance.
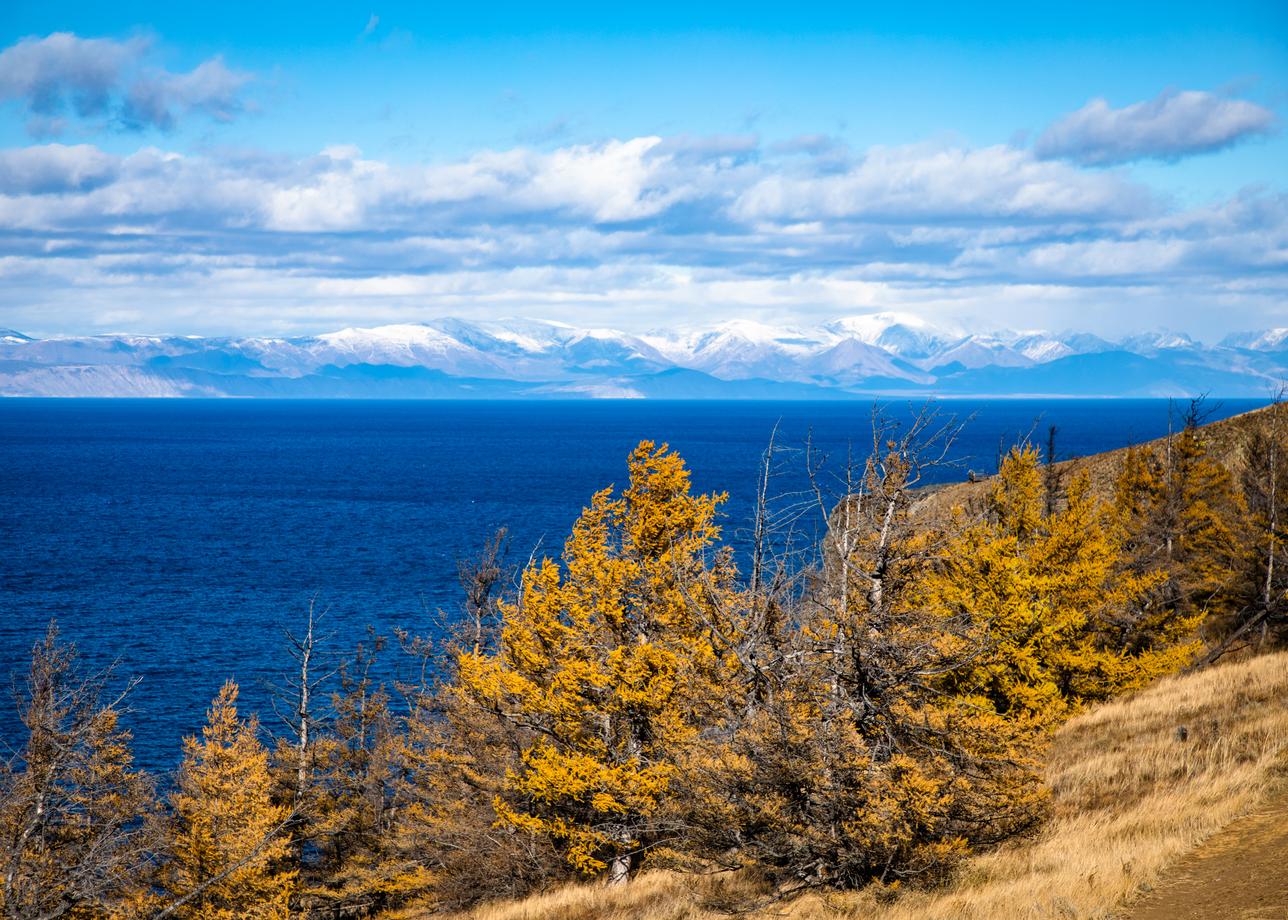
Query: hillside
1224,440
1136,784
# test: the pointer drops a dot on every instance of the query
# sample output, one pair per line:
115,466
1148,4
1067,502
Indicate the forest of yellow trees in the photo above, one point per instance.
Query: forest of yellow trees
864,711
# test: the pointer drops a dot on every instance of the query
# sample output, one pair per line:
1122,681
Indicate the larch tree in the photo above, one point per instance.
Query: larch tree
229,851
74,841
1184,515
607,665
1063,622
348,823
448,847
453,759
1265,489
854,763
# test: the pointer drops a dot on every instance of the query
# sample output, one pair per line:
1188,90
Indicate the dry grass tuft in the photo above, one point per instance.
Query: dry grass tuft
1135,784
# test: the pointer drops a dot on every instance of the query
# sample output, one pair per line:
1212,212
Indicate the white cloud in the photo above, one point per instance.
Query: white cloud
158,99
104,82
55,168
1169,126
631,232
902,183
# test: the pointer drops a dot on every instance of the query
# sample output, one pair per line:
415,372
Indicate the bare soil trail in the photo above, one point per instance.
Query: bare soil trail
1240,873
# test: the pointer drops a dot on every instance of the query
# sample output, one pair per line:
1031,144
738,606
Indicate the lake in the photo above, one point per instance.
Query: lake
180,537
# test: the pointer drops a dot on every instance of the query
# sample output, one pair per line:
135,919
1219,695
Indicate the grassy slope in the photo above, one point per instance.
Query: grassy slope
1224,440
1130,796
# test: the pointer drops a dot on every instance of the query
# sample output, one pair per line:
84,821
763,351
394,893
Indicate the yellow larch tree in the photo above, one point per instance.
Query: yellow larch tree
1062,619
1183,514
74,842
229,853
854,763
606,664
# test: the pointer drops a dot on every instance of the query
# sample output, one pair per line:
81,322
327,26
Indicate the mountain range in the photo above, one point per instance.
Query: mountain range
875,354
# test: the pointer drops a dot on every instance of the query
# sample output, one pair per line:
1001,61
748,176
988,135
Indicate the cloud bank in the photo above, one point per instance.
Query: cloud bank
628,232
1168,127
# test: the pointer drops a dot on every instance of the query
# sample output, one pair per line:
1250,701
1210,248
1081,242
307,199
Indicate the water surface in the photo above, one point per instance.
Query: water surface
180,537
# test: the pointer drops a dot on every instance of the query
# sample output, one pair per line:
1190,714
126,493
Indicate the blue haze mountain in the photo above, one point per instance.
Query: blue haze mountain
450,357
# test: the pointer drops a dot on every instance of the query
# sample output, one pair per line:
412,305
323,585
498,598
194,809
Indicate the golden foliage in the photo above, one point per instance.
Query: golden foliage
1129,797
871,722
1060,616
856,761
227,840
73,842
1185,516
607,664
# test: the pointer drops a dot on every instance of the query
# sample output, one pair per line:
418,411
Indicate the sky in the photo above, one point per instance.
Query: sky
289,168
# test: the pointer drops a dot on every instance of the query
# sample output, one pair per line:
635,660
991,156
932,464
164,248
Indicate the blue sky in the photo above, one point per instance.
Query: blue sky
258,168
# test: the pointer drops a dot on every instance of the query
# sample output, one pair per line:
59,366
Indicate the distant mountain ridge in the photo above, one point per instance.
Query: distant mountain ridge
873,354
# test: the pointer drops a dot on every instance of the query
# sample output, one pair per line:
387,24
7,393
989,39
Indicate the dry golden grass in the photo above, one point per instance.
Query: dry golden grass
1131,793
1131,796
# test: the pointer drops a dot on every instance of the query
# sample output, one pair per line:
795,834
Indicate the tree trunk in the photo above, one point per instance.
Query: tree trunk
619,869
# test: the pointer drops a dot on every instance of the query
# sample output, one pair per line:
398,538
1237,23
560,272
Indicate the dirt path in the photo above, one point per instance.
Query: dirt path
1239,874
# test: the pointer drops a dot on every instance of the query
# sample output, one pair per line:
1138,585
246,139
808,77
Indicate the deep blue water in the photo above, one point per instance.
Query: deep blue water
180,537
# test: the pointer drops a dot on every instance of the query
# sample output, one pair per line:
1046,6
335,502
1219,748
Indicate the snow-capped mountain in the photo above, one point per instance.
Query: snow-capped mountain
742,349
975,351
1270,340
851,362
1157,341
902,334
1039,347
877,353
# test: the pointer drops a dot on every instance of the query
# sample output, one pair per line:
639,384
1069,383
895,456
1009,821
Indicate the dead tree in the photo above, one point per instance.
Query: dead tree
296,700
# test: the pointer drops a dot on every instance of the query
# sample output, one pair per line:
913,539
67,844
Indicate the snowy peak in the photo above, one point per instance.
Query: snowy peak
1084,343
1157,341
1040,347
742,349
395,340
529,336
746,333
13,337
976,351
902,334
607,349
1270,340
851,360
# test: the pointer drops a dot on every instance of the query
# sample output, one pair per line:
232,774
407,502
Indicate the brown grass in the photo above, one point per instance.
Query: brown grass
1130,796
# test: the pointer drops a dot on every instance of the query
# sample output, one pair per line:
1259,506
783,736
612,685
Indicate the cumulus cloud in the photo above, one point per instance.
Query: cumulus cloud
158,99
671,184
104,82
1168,127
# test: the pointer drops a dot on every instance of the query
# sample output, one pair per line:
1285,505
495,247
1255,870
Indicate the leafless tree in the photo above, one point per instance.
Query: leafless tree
296,701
